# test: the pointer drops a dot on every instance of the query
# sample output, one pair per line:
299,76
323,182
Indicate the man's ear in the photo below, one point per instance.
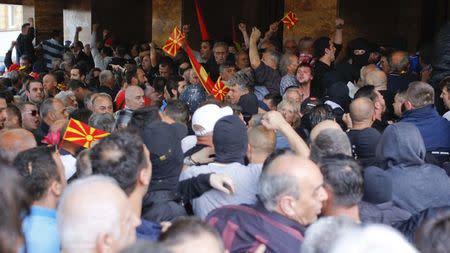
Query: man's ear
56,188
408,105
287,206
144,177
104,243
377,105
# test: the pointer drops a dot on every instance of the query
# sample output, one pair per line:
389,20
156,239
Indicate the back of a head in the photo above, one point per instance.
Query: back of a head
14,141
399,62
78,205
326,124
46,107
433,234
330,142
262,139
343,177
14,203
178,111
143,117
372,239
400,143
323,234
243,78
190,234
361,110
420,94
146,247
378,79
102,121
320,45
367,91
121,156
105,76
320,113
230,139
38,169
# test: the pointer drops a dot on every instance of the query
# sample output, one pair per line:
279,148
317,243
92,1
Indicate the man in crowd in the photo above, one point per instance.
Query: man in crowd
51,110
291,193
34,91
43,178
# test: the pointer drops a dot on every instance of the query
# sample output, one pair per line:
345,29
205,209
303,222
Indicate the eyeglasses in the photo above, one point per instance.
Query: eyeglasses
33,113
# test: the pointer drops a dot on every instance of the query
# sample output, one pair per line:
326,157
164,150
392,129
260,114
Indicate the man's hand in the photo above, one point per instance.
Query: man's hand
339,23
273,28
95,27
347,120
186,29
273,120
78,29
221,183
242,27
203,156
255,35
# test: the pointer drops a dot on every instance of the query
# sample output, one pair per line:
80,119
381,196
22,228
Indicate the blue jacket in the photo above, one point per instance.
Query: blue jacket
434,129
148,231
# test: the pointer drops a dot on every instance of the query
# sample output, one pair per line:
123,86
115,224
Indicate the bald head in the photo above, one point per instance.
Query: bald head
134,97
14,141
261,139
106,210
326,124
378,79
361,110
291,179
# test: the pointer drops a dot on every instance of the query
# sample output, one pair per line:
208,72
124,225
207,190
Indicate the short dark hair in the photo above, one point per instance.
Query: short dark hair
171,85
28,84
159,83
12,109
166,61
318,114
81,69
38,170
75,84
320,45
7,95
445,83
367,91
343,175
130,73
275,98
432,236
82,115
306,65
120,156
178,111
185,229
143,117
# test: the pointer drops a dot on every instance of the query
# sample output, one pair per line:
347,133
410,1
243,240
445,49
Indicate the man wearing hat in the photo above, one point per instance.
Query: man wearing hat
230,145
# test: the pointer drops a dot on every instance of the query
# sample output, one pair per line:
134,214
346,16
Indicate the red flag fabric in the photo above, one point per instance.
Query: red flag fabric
290,19
201,21
174,43
219,90
203,76
82,134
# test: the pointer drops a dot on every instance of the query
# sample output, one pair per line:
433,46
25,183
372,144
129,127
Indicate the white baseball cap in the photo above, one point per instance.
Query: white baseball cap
205,118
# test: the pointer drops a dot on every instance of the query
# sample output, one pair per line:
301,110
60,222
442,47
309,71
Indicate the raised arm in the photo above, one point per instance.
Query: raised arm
273,28
77,33
8,56
243,29
339,28
253,48
274,120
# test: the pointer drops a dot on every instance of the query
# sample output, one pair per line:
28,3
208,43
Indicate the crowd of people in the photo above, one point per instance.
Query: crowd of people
317,147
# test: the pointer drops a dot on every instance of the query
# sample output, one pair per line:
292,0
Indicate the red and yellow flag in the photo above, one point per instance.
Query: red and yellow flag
203,76
290,19
82,134
219,90
174,43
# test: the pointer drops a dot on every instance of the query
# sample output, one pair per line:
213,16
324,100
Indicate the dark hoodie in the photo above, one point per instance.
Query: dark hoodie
416,185
230,140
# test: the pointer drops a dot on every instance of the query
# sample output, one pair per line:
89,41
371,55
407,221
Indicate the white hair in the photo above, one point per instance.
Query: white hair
63,95
83,215
322,234
373,239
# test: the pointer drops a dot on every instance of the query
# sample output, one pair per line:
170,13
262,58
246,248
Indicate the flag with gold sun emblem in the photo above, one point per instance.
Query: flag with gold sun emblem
174,43
79,133
219,90
290,19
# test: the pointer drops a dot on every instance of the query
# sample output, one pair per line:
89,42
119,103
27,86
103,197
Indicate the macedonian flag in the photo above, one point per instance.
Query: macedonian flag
203,76
219,90
290,19
174,43
82,134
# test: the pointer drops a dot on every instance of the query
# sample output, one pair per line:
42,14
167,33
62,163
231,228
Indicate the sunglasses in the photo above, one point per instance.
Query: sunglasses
33,113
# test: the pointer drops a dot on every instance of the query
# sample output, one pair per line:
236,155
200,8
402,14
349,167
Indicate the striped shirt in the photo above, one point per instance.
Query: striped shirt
52,50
